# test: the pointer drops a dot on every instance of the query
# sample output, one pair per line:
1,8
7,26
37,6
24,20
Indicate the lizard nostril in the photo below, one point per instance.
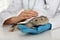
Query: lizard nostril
41,19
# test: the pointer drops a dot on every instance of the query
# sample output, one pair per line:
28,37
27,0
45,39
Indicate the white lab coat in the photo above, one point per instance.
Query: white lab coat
15,7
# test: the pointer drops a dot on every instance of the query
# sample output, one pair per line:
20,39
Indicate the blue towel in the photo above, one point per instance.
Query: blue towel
39,29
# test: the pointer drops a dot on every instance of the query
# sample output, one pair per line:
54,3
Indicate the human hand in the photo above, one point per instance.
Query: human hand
12,20
26,14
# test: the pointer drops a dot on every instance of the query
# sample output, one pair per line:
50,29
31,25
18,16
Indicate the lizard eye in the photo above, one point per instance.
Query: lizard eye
36,20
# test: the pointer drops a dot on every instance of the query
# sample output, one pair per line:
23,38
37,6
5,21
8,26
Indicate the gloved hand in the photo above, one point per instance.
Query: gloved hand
39,29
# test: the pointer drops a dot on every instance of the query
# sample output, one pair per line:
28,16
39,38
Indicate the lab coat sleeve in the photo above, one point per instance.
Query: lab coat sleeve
55,21
5,15
12,10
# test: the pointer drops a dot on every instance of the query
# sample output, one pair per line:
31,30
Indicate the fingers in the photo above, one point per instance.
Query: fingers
28,14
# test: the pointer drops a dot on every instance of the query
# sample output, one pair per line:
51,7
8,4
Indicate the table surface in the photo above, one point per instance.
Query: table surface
17,35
